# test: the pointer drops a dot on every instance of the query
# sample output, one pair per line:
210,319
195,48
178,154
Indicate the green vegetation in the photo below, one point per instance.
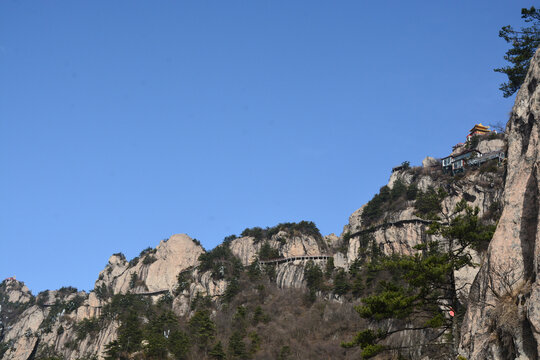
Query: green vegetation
314,277
89,326
293,229
428,204
473,141
217,352
202,328
233,288
120,255
201,302
133,261
59,308
329,267
184,280
148,259
148,251
524,44
419,290
229,239
42,298
237,347
162,331
284,353
3,348
491,166
388,200
267,252
103,292
345,242
221,262
341,283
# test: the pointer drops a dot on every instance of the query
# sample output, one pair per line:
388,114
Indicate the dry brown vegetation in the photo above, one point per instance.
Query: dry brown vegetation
294,328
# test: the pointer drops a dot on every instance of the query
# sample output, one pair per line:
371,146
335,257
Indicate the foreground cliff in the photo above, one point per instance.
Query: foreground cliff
503,319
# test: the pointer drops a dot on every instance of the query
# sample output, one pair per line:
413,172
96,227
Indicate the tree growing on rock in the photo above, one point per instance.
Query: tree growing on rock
524,43
419,292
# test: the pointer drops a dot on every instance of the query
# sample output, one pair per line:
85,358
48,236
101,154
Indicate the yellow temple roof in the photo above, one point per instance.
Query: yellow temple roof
480,127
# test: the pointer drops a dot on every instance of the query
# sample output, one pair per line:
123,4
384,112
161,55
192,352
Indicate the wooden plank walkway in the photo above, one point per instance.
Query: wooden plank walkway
294,258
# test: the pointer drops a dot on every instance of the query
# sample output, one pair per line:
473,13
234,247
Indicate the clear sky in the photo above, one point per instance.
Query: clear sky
124,122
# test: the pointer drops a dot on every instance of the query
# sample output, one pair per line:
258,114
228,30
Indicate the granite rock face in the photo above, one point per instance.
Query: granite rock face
155,271
503,318
489,145
401,230
247,248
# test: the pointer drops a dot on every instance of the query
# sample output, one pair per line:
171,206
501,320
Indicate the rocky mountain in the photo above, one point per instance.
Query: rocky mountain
288,292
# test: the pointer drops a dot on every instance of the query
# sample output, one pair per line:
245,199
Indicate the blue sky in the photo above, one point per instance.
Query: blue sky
124,122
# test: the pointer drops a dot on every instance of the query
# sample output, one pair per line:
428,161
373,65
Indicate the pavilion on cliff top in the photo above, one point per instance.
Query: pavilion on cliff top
478,130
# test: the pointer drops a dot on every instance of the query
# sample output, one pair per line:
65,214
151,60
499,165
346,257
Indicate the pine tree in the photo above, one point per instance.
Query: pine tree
341,283
202,328
524,43
237,347
217,352
420,293
179,344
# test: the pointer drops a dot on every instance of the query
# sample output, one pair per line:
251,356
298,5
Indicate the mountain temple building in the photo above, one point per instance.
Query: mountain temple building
478,130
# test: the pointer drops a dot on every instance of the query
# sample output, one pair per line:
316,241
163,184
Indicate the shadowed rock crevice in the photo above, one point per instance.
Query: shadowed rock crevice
34,350
524,128
529,342
532,85
529,226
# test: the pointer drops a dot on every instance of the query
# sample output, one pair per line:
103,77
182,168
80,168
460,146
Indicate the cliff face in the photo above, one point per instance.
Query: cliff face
503,319
400,230
151,272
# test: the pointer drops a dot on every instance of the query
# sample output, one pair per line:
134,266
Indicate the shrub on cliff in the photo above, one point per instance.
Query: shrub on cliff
386,200
85,327
267,252
293,229
428,203
221,262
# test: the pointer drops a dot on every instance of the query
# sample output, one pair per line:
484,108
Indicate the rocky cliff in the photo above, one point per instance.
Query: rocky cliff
503,318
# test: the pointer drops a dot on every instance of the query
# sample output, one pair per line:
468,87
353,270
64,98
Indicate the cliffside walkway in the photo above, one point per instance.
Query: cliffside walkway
152,293
294,258
394,223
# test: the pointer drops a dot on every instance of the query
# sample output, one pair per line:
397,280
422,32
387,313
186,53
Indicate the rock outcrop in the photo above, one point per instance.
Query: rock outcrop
503,320
154,271
247,248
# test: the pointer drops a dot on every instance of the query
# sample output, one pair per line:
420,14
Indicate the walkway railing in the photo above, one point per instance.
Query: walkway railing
294,258
395,223
152,293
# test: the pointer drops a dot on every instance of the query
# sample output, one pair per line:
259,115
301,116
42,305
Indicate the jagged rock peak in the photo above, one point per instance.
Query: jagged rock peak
16,291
